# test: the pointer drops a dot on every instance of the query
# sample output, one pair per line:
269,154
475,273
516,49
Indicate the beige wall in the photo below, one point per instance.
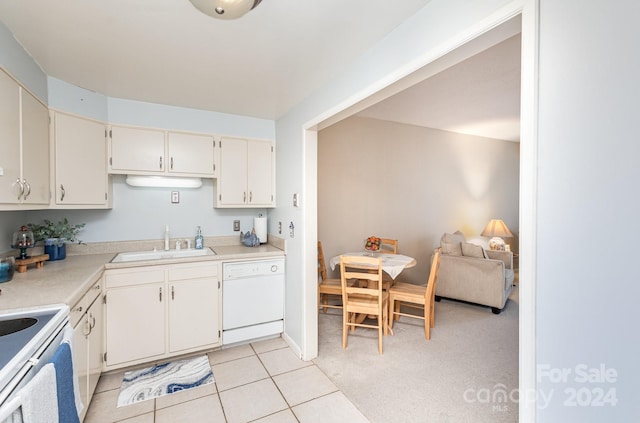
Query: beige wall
410,183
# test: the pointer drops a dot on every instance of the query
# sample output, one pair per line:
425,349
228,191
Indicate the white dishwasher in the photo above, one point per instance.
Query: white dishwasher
252,299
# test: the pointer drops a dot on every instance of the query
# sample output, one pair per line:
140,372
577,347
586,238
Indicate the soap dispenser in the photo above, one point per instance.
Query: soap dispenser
166,238
199,239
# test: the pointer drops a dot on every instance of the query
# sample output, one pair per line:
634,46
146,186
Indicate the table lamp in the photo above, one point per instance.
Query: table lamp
496,229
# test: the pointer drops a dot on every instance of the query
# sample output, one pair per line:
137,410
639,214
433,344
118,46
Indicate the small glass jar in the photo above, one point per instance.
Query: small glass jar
7,267
23,239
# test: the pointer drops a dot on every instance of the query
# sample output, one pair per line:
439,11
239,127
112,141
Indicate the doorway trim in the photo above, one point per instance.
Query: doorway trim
528,9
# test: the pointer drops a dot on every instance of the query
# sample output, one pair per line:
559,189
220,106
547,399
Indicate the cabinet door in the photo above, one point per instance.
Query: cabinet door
80,357
191,154
80,161
136,150
232,181
95,350
193,313
135,326
260,173
9,139
35,149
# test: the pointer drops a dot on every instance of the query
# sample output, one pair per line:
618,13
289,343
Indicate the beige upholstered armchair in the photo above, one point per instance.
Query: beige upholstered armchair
470,273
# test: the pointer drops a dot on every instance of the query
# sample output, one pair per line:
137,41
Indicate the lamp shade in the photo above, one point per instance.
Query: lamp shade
497,228
225,9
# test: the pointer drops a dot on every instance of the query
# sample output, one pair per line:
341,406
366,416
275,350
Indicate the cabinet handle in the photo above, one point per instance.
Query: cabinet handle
173,294
21,188
244,198
97,287
78,309
250,196
160,294
171,165
86,330
93,322
62,192
160,162
26,184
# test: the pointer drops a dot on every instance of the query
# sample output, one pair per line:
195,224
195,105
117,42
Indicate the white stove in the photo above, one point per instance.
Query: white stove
28,339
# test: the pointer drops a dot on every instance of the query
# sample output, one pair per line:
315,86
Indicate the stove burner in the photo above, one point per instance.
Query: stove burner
7,327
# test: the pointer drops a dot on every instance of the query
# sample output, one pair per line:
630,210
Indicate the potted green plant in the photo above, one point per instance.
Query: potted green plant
55,236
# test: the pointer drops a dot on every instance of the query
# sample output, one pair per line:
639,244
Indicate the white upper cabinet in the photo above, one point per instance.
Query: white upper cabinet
137,151
80,162
148,151
191,154
10,163
24,158
247,173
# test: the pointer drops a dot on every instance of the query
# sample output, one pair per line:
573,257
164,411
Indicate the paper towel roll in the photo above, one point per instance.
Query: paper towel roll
260,226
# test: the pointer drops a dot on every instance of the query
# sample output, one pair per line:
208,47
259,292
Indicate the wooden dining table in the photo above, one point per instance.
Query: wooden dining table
392,264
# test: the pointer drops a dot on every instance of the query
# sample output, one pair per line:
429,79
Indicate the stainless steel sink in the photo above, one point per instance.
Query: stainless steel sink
161,255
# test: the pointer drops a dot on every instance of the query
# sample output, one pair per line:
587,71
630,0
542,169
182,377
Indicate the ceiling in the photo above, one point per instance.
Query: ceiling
261,65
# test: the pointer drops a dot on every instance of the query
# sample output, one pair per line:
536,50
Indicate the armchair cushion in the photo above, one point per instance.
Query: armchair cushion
472,250
452,243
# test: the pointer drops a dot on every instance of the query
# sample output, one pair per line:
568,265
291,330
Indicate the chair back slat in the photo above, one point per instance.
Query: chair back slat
361,268
389,246
322,268
433,277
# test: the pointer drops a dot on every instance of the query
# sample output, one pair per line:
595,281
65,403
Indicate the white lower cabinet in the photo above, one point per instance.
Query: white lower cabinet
86,318
159,311
193,307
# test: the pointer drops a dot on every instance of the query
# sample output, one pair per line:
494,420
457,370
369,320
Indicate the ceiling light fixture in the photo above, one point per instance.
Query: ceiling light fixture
225,9
162,181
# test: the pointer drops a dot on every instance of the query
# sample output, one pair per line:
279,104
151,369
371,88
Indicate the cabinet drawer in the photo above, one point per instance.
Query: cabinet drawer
193,272
81,307
115,280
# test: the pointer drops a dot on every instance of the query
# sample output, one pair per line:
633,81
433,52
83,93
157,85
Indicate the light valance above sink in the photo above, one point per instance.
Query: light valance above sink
163,181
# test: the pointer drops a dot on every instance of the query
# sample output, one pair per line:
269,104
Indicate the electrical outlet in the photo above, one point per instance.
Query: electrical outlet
236,225
175,197
295,200
279,228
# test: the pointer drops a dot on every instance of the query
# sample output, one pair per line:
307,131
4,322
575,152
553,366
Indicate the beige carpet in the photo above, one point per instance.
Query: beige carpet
455,377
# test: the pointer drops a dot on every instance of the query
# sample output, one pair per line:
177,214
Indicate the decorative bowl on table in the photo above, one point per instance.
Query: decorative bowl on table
372,244
7,267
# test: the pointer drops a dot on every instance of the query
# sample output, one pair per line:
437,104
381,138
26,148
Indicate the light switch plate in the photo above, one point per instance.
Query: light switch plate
175,197
236,225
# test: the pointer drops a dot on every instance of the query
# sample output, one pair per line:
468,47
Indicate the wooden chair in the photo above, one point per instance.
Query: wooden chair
416,296
389,246
359,302
326,287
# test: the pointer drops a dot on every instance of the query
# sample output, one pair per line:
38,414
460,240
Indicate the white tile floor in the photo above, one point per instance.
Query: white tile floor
259,382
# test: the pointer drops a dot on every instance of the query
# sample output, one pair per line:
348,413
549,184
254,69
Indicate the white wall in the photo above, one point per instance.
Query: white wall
588,205
142,213
411,183
17,62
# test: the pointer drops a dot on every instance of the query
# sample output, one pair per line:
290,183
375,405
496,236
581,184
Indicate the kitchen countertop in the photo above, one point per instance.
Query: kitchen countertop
66,281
